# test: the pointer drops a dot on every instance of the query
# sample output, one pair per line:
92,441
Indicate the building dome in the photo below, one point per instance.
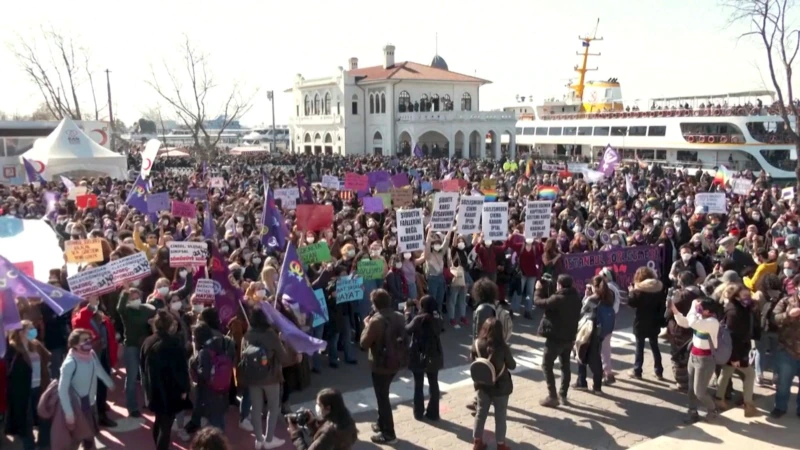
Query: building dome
439,63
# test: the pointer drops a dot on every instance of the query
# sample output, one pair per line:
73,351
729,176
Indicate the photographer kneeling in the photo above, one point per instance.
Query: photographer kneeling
332,428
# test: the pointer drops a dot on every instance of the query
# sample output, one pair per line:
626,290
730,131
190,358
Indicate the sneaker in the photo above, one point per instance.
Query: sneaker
503,446
183,435
375,428
610,379
776,413
246,425
453,322
274,443
750,410
383,439
634,374
691,418
563,399
456,327
711,415
549,402
721,404
105,422
259,444
763,382
464,321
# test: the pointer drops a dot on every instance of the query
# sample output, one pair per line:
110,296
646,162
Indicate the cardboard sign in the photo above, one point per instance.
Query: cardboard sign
129,268
314,217
375,177
373,205
204,290
184,209
469,214
320,320
537,219
402,197
158,202
187,253
371,270
330,182
83,251
288,197
495,221
356,182
787,193
315,253
349,289
86,201
742,186
383,186
410,230
444,211
711,203
92,282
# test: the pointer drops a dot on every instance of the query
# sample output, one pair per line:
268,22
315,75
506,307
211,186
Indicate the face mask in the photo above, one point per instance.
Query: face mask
224,249
175,306
788,272
461,246
371,224
318,410
165,222
240,219
351,253
756,216
310,240
197,308
163,290
626,224
182,274
31,334
398,265
239,230
437,247
135,303
615,243
676,221
375,253
392,243
407,255
686,257
256,261
488,242
394,229
136,283
261,293
86,347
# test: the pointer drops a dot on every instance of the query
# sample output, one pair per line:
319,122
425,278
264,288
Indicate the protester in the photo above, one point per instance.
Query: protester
492,347
331,426
647,297
426,356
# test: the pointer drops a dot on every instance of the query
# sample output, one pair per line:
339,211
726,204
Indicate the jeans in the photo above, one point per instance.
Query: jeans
102,390
482,411
344,335
245,405
556,349
381,383
766,347
701,369
316,358
419,394
272,394
216,418
457,299
56,359
28,442
162,430
436,288
593,361
639,359
787,368
526,285
131,357
412,289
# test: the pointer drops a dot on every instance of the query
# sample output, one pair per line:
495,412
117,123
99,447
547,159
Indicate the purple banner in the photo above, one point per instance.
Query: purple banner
622,262
378,176
158,202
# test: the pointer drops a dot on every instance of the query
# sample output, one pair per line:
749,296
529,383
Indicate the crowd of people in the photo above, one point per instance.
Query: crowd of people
723,294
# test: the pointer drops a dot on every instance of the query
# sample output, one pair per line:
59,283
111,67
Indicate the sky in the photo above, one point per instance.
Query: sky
655,48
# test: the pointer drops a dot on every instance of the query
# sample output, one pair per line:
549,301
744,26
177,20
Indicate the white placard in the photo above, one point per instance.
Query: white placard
129,268
444,211
495,221
711,203
469,214
330,182
187,253
410,230
217,182
91,282
204,291
787,193
537,219
742,186
76,191
288,197
553,167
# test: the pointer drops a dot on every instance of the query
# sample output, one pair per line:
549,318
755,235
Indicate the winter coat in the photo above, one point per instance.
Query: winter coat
165,374
63,436
374,335
500,358
326,436
562,312
278,356
742,324
649,301
19,374
426,354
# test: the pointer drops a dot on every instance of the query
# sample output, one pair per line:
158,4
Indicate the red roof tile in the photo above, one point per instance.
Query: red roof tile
408,70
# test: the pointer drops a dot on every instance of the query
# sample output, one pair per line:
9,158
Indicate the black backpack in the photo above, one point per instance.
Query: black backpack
254,366
393,354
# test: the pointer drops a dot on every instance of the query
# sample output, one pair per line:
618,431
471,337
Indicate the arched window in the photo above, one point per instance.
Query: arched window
466,102
383,103
327,104
404,102
307,138
447,104
307,108
316,104
354,105
435,102
371,104
423,102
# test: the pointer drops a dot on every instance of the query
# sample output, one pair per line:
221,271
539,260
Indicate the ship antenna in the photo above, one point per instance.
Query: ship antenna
436,48
585,43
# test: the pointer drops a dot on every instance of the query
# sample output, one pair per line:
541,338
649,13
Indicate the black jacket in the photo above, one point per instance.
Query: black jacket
649,300
562,312
165,374
743,325
500,358
426,354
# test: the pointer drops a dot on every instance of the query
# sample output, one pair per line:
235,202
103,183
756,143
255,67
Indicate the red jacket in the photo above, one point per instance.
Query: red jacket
530,261
83,319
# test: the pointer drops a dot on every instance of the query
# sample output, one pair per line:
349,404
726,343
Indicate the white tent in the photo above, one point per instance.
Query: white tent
69,150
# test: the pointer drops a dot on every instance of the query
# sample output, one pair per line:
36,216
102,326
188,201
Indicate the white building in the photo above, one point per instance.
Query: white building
391,108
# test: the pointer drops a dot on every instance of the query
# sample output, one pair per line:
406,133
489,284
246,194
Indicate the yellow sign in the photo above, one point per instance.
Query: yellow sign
402,197
85,250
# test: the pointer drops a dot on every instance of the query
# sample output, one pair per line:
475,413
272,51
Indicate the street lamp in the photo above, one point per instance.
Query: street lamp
271,98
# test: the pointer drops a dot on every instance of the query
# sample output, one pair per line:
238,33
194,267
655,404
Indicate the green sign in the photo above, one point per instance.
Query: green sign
387,199
370,270
314,253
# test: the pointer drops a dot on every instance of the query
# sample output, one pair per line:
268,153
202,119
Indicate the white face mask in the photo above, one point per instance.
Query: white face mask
375,253
676,221
256,261
135,303
437,247
310,240
165,222
261,293
197,308
318,410
407,255
136,283
351,253
163,290
239,230
182,273
461,246
175,306
788,272
686,257
398,265
141,229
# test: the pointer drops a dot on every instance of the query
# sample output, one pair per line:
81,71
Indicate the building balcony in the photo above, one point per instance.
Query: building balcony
455,116
331,119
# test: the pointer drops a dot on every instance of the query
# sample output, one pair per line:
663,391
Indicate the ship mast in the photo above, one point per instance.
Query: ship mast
585,42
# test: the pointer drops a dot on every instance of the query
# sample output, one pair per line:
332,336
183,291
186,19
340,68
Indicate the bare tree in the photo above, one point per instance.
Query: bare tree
769,23
192,90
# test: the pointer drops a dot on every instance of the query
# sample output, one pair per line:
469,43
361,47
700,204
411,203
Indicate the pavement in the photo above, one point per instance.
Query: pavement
643,414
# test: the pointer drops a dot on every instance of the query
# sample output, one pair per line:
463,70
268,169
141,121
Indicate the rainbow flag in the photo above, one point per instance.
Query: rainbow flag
528,168
723,176
490,195
548,192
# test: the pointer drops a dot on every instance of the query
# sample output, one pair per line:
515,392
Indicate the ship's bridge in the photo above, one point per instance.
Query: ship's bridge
602,96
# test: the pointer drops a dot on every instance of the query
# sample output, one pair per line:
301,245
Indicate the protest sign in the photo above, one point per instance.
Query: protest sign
197,193
204,290
469,214
356,182
320,319
330,182
711,203
375,177
410,230
83,251
495,221
553,167
383,186
444,211
314,217
349,289
315,253
288,197
386,199
158,202
77,191
373,205
537,219
742,186
130,268
426,186
187,253
437,185
400,180
370,269
623,262
787,193
86,201
402,197
184,209
92,282
451,185
216,182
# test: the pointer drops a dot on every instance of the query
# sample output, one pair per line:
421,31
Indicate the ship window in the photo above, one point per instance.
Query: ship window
584,131
518,131
528,131
619,131
661,155
646,154
657,131
570,131
601,131
685,155
637,131
555,131
541,131
628,153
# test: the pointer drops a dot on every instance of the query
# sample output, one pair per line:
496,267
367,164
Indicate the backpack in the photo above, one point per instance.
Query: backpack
606,319
724,349
254,366
393,355
504,317
221,369
482,370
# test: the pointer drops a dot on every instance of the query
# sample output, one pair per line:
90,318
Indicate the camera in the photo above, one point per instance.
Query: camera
299,418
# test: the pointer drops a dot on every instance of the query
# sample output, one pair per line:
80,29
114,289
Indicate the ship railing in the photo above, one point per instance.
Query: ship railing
696,112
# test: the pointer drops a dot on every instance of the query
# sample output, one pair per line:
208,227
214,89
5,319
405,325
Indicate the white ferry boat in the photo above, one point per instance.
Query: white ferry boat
737,130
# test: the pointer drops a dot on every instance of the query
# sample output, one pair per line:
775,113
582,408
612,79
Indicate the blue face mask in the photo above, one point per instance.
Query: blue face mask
32,334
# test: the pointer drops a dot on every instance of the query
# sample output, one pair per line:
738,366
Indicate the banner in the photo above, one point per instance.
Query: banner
537,219
204,290
216,182
400,180
469,214
288,197
197,193
92,282
86,201
495,221
375,177
314,217
370,269
410,230
383,187
742,186
330,182
623,263
187,253
349,289
314,253
373,205
84,250
158,202
129,268
451,185
183,209
444,211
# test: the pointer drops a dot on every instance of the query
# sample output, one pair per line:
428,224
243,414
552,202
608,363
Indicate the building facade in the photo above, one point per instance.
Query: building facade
392,108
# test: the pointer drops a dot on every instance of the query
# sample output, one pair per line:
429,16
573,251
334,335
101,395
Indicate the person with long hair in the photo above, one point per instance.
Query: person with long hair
550,257
648,298
491,345
426,356
331,427
595,309
768,291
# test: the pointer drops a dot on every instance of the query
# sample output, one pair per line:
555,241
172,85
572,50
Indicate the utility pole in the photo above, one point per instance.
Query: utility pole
271,97
111,112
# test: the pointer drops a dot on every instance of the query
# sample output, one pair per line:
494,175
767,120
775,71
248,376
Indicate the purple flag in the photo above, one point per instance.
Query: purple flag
33,175
273,227
208,223
67,182
49,200
306,197
226,296
293,285
11,319
137,197
418,151
299,341
21,285
610,161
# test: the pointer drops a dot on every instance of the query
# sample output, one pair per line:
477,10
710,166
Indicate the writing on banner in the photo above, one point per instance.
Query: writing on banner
410,230
187,253
742,186
356,182
444,210
330,182
288,197
371,269
495,221
83,251
402,197
130,268
451,185
323,305
622,262
92,282
537,219
349,289
315,253
711,203
554,167
184,209
469,214
204,290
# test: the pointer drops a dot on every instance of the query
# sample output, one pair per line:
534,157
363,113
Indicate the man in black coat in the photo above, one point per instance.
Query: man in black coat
741,260
562,312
